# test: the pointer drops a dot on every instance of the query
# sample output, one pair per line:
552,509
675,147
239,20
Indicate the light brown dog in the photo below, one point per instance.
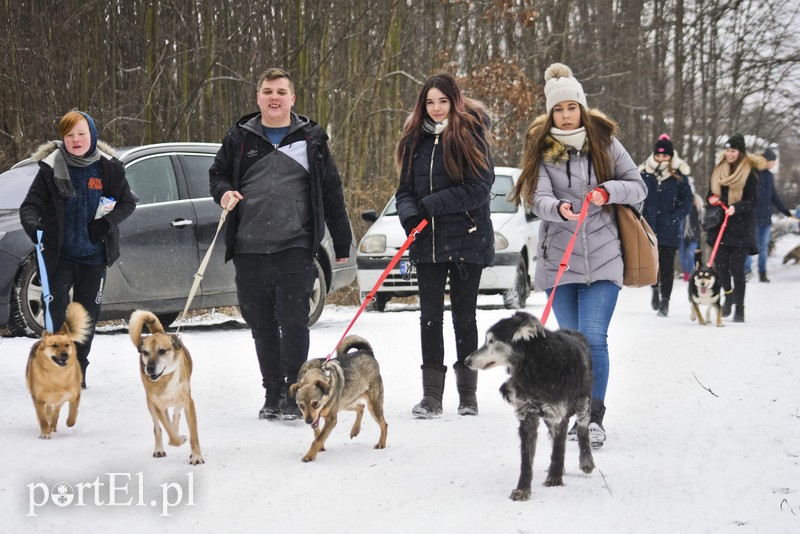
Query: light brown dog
793,254
53,373
166,369
324,388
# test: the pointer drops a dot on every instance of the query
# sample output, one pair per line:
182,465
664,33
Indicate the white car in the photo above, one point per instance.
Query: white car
516,234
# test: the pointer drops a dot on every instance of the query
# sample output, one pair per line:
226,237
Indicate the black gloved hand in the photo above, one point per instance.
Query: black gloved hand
423,211
411,223
98,229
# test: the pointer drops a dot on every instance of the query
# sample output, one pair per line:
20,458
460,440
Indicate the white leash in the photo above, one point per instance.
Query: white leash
198,276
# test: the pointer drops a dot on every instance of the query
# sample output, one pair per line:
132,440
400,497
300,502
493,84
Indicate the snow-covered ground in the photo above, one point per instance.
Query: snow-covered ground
703,436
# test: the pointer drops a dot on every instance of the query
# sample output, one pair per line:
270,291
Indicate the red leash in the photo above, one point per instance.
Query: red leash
719,235
567,253
384,274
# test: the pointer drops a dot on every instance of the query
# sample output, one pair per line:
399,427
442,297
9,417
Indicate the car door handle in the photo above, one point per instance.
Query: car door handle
180,223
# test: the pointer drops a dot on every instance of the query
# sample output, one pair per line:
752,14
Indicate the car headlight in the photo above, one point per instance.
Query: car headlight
373,244
500,242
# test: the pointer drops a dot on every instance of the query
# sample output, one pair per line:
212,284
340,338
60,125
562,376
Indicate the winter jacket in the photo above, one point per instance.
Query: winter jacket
44,206
460,226
668,201
768,197
564,177
245,144
741,228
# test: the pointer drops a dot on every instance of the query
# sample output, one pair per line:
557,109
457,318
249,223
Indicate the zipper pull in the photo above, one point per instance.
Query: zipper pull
436,140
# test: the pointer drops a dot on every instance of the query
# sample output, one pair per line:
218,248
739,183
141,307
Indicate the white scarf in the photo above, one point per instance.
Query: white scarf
574,138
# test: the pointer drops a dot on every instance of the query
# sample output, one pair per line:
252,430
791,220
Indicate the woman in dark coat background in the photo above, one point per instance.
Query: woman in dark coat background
734,182
446,177
668,202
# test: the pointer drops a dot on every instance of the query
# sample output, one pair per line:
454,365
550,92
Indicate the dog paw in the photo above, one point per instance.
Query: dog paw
196,459
309,458
520,495
159,454
553,481
587,467
44,436
380,445
177,443
354,433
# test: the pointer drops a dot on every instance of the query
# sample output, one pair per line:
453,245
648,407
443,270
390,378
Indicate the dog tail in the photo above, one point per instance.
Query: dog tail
354,342
77,323
138,319
698,257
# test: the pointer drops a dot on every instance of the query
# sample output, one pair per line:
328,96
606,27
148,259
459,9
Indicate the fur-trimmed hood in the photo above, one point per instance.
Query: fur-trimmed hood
758,163
46,149
554,150
651,166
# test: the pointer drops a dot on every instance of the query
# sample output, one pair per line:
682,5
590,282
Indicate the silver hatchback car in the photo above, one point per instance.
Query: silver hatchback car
161,243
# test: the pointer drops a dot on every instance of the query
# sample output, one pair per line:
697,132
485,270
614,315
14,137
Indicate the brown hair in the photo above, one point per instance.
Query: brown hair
274,74
599,132
68,122
465,140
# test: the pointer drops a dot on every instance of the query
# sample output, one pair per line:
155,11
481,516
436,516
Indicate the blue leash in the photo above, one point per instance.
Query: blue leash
47,297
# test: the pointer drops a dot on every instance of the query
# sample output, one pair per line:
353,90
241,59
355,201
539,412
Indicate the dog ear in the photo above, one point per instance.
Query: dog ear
140,345
323,386
293,389
530,327
177,344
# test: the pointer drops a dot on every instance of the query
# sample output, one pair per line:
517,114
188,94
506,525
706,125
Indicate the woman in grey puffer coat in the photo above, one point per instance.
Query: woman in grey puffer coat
571,155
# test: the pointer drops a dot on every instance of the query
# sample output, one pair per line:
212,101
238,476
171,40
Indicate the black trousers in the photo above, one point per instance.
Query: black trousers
86,283
729,264
464,281
274,293
666,270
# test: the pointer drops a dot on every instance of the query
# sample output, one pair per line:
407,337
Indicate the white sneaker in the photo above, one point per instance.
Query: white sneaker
597,435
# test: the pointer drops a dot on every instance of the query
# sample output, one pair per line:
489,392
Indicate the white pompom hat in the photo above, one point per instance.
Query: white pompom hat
560,85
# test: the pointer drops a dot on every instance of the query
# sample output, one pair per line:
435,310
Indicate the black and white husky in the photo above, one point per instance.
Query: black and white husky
551,378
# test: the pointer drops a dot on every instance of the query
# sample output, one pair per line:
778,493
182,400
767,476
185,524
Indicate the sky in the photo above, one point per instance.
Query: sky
703,429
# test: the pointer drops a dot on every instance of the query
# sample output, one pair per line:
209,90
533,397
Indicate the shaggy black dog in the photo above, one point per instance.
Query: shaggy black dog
551,378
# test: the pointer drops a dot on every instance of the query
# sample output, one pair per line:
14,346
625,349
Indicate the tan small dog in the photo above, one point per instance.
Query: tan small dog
324,388
53,373
166,369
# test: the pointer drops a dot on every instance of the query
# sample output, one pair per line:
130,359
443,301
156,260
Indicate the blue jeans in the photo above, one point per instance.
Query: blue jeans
687,251
762,238
588,309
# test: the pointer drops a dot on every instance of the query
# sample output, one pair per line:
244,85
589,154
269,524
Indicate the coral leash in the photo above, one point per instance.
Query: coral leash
719,235
384,274
562,266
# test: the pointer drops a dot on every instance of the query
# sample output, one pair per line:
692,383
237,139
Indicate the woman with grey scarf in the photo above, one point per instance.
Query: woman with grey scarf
79,242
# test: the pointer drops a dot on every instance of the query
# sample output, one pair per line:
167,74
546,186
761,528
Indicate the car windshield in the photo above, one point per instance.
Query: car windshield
499,197
14,185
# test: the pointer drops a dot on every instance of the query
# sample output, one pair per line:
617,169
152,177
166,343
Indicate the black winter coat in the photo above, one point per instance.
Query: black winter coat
460,226
741,228
327,198
45,206
668,202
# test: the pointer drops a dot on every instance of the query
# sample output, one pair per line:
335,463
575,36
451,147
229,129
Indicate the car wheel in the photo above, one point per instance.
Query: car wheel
27,312
516,296
378,303
318,294
167,319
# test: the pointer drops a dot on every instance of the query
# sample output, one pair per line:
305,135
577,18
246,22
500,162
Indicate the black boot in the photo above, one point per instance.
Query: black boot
273,402
467,384
727,306
738,316
655,300
762,276
663,308
432,389
290,409
597,434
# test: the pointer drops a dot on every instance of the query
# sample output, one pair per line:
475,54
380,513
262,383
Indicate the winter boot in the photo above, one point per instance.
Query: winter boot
663,308
432,389
762,276
727,306
597,434
467,384
655,301
290,409
273,402
738,316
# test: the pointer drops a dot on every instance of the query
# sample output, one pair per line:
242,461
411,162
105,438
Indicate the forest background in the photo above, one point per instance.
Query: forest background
185,70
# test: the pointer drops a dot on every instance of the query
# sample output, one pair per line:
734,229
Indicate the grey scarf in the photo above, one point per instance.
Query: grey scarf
62,161
433,128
